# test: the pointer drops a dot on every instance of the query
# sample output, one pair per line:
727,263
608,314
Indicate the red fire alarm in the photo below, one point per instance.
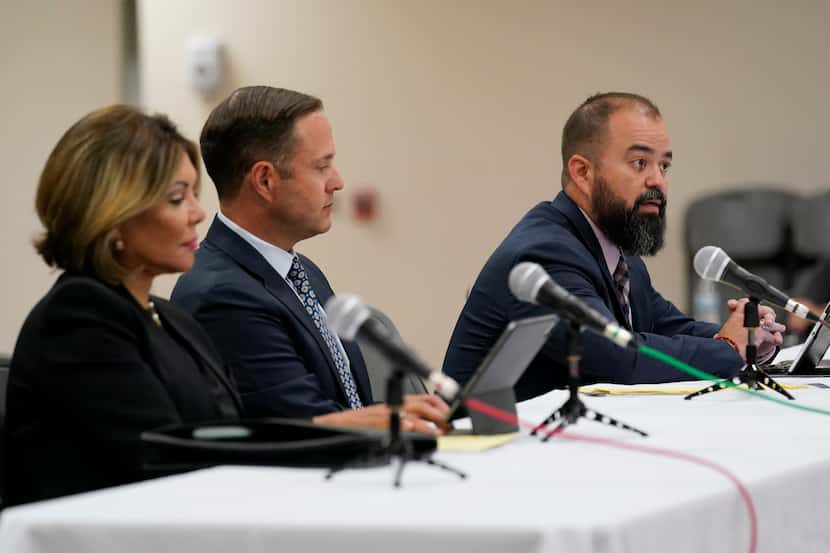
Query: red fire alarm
364,203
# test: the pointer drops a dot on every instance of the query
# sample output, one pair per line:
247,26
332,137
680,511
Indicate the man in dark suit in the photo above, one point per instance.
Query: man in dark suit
616,155
270,153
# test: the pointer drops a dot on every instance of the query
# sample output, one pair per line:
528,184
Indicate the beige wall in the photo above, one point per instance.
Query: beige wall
453,110
58,60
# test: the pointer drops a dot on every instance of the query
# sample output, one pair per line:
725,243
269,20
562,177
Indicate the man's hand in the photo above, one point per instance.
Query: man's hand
767,336
420,413
428,407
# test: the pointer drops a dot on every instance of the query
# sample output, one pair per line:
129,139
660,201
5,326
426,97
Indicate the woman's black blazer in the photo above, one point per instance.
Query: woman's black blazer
88,376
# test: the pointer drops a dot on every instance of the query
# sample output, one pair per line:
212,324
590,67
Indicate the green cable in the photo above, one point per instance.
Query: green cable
697,373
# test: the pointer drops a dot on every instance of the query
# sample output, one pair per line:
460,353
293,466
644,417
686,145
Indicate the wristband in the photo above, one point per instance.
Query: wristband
729,341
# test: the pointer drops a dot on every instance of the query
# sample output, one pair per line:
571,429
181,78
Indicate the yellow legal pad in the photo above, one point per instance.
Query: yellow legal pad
473,442
661,391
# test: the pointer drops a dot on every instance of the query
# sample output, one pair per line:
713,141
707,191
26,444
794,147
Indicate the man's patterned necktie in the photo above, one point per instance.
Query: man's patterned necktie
308,298
622,282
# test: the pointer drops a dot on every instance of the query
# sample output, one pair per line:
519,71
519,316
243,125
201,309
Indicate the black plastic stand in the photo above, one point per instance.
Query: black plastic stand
503,399
398,445
750,374
573,409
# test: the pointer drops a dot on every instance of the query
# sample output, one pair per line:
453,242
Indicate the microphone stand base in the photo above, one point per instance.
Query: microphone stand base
398,445
752,376
403,457
571,411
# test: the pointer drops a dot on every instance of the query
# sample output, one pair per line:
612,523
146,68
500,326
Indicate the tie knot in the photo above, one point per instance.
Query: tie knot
297,274
621,272
296,266
622,281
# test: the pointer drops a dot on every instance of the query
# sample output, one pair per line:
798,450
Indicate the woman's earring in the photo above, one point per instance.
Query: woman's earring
118,245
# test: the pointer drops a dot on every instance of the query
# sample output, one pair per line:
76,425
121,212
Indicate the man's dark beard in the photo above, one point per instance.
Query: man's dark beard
635,233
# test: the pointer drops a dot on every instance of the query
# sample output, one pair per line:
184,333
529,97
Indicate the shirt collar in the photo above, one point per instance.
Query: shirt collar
276,257
610,251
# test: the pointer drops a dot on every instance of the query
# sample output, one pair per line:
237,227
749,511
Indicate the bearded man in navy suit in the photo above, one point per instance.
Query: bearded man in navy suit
270,153
616,156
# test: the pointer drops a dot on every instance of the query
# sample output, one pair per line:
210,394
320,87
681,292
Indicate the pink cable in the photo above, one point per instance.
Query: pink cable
496,413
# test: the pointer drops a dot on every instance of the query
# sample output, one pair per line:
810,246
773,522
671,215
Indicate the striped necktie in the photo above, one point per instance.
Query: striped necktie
622,283
298,278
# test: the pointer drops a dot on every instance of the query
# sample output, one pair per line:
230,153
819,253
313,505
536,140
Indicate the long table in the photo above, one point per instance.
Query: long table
526,496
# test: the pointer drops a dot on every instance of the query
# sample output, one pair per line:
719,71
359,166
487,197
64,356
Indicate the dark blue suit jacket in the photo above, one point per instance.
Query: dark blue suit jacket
557,236
281,363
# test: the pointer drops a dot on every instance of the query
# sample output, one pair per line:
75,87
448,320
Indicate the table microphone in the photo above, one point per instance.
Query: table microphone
349,317
712,263
531,283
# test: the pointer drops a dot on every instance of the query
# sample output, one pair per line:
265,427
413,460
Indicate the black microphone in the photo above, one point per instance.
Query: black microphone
531,283
349,317
712,263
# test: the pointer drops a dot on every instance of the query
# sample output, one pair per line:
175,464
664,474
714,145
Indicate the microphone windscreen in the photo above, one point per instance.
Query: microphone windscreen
710,262
345,314
526,279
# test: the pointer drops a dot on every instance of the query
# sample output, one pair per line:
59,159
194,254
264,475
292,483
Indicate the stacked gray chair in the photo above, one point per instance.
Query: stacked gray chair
811,241
752,225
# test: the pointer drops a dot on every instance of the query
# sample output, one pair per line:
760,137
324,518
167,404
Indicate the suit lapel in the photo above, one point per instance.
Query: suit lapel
586,235
198,346
246,256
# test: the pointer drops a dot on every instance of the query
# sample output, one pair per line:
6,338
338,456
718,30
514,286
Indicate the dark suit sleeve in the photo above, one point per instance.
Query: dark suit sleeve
258,345
668,320
670,332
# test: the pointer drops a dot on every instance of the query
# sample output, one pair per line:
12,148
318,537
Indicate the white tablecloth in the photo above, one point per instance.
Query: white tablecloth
523,497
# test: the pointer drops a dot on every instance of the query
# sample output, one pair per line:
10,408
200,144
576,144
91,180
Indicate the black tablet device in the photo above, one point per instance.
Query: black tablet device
512,353
809,360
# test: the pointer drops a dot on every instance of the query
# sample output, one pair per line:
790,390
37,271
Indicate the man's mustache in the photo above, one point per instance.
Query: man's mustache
650,196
